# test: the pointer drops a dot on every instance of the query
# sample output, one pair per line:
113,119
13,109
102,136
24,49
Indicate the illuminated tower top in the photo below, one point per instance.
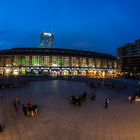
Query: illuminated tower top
46,40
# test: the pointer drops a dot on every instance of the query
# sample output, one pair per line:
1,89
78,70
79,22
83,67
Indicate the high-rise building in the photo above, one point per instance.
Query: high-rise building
129,58
46,40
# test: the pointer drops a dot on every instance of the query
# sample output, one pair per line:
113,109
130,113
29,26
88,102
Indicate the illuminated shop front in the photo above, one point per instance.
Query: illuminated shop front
55,62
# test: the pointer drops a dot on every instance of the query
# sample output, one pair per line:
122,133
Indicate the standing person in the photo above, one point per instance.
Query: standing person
107,101
132,99
91,84
93,96
139,83
2,113
138,91
129,98
16,103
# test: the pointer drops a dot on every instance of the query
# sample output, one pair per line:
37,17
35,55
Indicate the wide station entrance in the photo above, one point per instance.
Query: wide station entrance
95,73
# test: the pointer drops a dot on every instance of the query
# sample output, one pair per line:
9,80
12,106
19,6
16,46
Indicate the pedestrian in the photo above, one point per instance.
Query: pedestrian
129,98
93,96
138,92
2,113
1,128
17,100
91,84
107,101
132,99
15,106
139,83
16,103
83,96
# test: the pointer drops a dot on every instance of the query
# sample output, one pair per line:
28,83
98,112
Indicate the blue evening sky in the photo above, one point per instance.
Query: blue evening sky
95,25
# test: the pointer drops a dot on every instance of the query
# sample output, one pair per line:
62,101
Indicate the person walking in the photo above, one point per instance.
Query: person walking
2,113
107,101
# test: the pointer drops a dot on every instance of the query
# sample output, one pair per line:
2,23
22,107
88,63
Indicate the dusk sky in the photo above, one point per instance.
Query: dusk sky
95,25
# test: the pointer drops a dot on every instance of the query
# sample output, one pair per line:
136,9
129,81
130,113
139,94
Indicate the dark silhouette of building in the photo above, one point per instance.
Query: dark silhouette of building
129,58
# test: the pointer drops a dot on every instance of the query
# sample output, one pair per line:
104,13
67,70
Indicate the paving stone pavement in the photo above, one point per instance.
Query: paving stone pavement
59,120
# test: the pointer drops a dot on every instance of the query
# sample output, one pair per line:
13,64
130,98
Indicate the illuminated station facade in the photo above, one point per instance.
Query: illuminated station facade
57,61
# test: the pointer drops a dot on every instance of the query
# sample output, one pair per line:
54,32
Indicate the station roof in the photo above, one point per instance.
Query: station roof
55,52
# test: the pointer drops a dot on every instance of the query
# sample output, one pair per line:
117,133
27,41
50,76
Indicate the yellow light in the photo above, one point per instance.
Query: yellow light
54,65
15,72
103,74
7,71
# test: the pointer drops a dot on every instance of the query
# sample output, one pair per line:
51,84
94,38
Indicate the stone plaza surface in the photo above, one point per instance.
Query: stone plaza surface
59,120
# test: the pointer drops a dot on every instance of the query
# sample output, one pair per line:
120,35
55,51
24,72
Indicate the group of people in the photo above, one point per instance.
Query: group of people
30,109
76,100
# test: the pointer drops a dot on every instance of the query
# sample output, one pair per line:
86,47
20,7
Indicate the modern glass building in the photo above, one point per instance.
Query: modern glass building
46,40
57,61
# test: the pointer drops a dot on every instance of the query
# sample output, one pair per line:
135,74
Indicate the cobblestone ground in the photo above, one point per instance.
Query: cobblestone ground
58,120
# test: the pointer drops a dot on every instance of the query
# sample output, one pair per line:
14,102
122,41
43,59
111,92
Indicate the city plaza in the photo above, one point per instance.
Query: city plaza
57,119
65,72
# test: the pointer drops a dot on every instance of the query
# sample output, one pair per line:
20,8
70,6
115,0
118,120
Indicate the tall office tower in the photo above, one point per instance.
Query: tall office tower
46,40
